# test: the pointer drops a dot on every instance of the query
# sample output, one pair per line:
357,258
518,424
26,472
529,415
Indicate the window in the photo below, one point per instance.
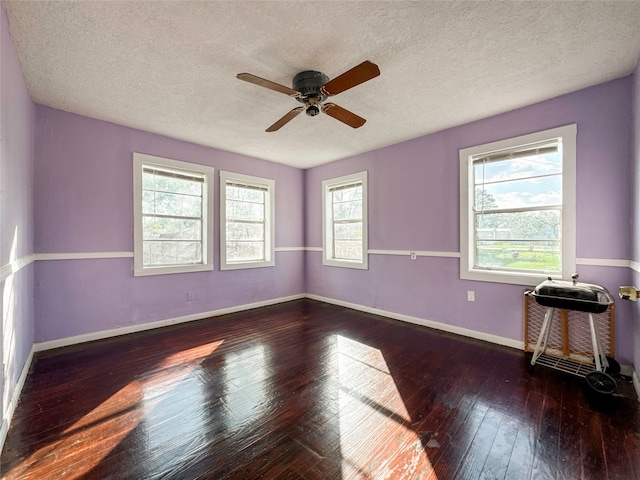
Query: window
247,227
344,221
517,208
173,212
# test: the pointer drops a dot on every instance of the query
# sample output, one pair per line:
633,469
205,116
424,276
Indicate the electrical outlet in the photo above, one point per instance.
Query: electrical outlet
471,296
189,296
413,255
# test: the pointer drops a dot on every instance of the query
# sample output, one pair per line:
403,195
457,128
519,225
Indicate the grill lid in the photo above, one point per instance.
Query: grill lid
585,297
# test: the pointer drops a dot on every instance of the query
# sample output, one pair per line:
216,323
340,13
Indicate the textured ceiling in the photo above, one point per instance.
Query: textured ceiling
170,67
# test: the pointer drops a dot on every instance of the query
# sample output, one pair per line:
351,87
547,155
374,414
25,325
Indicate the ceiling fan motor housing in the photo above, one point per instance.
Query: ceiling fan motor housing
308,83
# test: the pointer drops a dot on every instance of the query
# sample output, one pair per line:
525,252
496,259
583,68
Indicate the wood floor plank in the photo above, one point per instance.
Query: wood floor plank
547,441
307,390
460,437
497,461
593,459
570,442
623,455
477,454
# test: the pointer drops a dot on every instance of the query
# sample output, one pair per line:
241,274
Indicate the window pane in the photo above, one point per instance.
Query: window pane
347,211
157,253
245,211
521,240
168,184
148,181
171,229
148,202
518,168
245,194
172,204
245,231
535,192
530,225
245,251
347,250
348,194
348,231
529,256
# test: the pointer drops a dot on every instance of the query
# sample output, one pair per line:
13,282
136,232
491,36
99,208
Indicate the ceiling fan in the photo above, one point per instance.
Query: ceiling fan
312,88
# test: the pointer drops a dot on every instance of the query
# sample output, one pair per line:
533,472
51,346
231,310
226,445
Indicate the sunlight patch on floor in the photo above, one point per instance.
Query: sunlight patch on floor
245,385
376,439
117,416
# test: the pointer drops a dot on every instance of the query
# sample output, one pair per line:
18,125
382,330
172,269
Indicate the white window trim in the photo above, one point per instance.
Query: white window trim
140,159
568,238
327,210
269,224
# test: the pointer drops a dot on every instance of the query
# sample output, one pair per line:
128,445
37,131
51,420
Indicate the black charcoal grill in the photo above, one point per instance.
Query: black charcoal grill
584,297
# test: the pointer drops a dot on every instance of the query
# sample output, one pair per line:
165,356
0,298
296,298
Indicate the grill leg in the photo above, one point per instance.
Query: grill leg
601,360
543,338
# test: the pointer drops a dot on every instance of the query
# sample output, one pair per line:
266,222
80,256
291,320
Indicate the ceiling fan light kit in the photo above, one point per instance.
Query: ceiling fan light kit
311,88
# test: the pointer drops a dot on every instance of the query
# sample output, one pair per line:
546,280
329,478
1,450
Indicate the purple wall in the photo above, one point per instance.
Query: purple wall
16,210
84,203
636,214
414,205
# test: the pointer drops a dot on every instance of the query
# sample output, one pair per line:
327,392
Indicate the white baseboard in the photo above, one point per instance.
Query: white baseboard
636,385
11,408
115,332
89,337
487,337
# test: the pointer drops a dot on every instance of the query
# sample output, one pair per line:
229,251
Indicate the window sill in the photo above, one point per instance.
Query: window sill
513,278
361,265
144,272
245,265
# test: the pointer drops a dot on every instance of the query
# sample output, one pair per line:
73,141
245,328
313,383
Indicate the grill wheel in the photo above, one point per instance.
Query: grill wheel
601,383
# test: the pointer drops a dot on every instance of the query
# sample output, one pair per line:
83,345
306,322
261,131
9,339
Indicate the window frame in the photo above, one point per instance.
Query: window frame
567,134
140,160
269,235
327,222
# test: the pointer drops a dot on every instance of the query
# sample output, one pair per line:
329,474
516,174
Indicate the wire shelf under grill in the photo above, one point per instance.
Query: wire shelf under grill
565,365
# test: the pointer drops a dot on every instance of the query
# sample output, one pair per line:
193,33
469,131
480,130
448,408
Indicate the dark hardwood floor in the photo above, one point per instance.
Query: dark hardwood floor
307,390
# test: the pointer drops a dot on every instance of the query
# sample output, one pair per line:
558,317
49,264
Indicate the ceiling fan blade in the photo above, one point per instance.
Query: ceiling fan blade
357,75
345,116
284,120
248,77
